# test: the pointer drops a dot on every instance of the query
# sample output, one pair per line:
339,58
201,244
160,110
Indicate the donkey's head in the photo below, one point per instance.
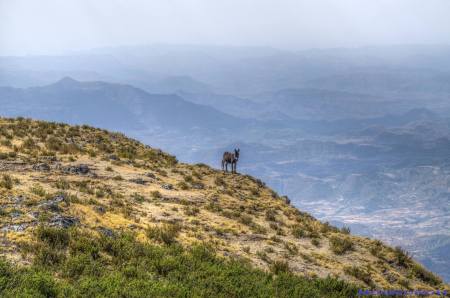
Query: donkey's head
236,153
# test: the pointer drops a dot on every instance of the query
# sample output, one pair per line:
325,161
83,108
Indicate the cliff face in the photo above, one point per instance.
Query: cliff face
104,184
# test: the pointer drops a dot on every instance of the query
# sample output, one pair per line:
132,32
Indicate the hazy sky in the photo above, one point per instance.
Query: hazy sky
52,26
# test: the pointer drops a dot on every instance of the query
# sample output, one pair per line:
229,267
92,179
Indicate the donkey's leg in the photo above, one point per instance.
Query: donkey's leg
223,166
226,166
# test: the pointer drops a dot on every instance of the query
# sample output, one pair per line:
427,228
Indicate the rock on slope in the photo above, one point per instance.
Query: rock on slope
104,183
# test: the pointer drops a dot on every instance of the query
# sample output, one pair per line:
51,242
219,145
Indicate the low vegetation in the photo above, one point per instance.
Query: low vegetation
340,244
93,266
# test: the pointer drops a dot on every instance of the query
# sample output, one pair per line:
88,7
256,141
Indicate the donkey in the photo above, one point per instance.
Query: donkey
230,158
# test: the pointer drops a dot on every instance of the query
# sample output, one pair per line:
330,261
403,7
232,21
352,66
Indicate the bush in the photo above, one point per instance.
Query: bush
219,181
54,237
38,190
297,231
183,185
340,245
62,184
376,248
270,215
6,182
188,179
246,219
278,267
315,242
165,234
156,194
48,256
425,275
401,257
191,211
359,274
138,197
29,143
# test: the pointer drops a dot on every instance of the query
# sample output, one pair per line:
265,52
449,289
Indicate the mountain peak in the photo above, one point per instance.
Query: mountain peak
67,82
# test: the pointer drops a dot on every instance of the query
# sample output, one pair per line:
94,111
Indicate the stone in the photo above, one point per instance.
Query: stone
43,167
138,181
53,204
286,199
14,228
106,232
100,209
113,157
17,200
150,175
48,158
53,207
80,169
198,186
167,186
34,214
15,214
64,221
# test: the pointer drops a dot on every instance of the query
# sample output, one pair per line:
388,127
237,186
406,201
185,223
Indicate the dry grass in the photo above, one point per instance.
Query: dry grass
236,214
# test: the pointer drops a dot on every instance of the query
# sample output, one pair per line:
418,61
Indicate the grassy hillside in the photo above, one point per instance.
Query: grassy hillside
86,212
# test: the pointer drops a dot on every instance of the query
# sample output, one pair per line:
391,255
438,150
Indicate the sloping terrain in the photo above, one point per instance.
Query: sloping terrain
63,183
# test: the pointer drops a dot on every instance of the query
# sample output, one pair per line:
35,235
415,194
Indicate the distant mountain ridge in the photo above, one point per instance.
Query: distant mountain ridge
114,106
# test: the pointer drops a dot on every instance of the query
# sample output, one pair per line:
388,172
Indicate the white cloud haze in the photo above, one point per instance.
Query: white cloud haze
52,26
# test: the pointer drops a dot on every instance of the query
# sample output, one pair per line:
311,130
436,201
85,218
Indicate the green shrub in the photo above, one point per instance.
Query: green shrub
48,256
278,267
191,211
6,182
188,179
54,237
38,190
315,242
402,257
100,193
270,215
297,231
29,143
62,184
183,185
138,197
219,181
165,234
340,245
246,219
360,274
425,275
156,194
376,248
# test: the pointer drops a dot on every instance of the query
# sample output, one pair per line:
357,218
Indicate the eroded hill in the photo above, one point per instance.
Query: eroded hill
94,184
